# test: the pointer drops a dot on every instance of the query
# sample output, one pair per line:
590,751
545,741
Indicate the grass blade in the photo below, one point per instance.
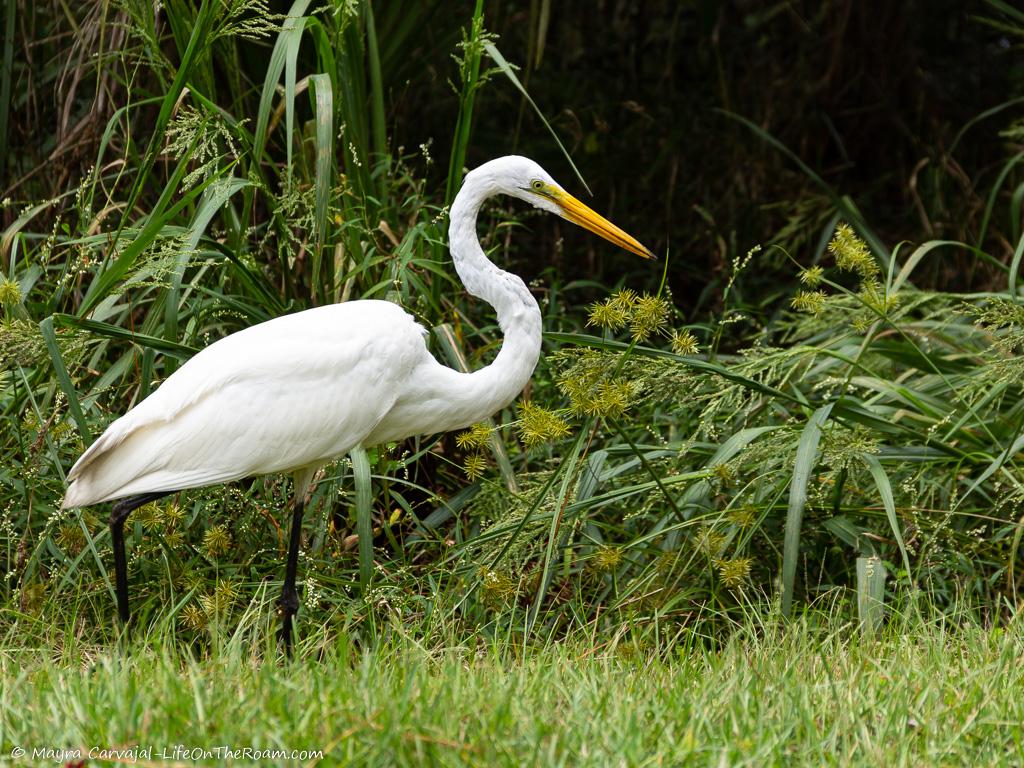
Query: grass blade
1018,253
378,124
106,279
470,74
323,96
1015,13
993,195
364,515
16,226
569,464
841,203
806,456
870,593
199,39
915,258
510,73
885,490
181,351
64,380
217,194
295,19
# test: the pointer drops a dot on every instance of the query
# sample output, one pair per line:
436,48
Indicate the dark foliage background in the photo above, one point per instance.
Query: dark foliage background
871,95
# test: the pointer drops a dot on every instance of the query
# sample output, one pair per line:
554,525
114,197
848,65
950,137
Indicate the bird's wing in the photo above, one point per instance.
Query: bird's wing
285,394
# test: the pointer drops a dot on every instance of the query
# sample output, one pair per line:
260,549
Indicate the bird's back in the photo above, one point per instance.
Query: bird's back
286,394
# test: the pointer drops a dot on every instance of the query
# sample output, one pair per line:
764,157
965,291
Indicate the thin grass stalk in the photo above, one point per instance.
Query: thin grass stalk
870,594
994,194
571,464
885,491
510,73
161,214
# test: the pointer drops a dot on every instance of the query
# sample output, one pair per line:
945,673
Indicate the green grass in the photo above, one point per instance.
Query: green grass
810,694
878,425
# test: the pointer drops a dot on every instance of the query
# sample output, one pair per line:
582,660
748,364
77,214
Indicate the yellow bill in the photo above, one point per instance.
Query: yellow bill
580,214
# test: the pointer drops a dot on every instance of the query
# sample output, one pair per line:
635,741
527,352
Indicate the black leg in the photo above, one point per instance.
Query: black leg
289,603
118,515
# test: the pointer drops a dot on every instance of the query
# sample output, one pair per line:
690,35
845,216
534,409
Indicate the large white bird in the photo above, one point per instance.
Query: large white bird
296,392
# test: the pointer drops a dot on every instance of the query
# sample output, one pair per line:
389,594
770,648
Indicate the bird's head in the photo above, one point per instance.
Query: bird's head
523,178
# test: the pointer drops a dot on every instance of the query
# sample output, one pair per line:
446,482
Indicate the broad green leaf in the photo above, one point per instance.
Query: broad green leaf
870,593
364,515
885,490
293,24
806,458
324,106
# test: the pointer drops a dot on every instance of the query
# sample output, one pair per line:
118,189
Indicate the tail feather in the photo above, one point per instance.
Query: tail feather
77,495
91,479
115,434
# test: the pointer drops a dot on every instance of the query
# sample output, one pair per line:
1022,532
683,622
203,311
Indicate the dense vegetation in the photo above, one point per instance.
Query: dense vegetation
795,404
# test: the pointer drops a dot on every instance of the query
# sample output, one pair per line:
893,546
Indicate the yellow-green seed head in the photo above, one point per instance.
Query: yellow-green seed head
851,253
684,343
474,437
606,559
10,293
650,317
538,425
735,571
474,466
217,541
605,314
811,277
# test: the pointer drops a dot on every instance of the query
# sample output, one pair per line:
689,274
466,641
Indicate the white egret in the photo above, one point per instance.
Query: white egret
296,392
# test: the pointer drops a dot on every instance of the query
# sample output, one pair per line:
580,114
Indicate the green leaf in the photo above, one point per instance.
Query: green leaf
806,457
64,380
216,195
295,20
377,118
323,95
510,73
870,593
364,515
885,490
180,351
160,216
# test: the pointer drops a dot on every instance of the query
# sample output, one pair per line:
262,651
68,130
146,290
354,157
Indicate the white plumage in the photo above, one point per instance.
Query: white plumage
296,392
279,396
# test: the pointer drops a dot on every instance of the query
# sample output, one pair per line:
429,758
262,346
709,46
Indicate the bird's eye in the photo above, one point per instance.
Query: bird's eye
538,185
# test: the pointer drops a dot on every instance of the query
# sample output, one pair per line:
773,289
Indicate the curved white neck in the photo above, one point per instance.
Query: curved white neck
496,385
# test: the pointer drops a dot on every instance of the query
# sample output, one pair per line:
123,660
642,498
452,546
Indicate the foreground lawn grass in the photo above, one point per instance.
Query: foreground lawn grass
931,695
